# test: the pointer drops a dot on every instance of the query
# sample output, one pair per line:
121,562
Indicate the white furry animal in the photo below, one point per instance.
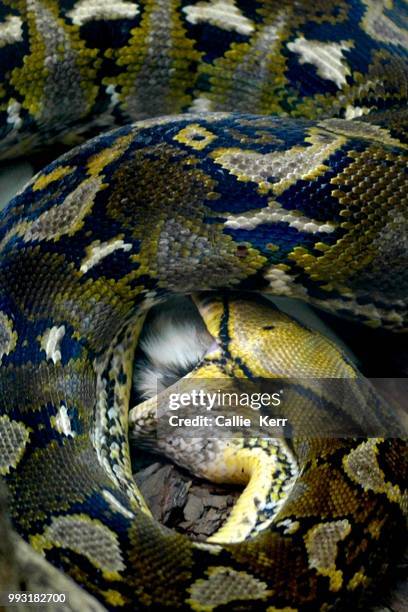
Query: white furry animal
173,341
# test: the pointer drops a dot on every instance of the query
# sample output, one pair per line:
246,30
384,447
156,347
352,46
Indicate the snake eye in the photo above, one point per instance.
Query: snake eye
173,341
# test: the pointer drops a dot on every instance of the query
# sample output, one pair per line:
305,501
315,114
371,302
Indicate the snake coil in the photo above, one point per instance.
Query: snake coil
268,153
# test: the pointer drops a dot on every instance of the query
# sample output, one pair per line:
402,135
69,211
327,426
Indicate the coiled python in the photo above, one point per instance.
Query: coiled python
288,176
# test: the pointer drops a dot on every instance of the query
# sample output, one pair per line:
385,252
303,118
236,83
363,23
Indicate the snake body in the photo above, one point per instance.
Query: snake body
288,176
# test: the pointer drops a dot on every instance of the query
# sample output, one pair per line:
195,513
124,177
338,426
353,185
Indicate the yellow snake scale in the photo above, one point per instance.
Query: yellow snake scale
286,175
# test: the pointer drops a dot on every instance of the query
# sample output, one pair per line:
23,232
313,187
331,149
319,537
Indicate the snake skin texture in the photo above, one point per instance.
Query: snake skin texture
258,146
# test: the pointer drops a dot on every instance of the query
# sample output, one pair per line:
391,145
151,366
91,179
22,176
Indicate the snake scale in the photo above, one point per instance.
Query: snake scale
287,175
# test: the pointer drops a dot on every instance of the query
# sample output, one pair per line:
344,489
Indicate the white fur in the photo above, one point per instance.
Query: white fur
173,343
